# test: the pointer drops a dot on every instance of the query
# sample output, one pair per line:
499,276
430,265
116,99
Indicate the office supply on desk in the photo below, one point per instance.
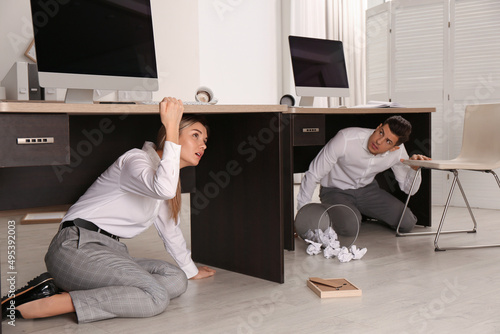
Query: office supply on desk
16,82
380,104
205,95
117,102
187,103
287,100
21,82
198,103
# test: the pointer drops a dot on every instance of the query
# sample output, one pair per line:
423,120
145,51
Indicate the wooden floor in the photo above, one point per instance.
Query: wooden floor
407,287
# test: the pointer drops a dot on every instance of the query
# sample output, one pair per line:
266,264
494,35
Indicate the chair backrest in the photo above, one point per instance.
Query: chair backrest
481,136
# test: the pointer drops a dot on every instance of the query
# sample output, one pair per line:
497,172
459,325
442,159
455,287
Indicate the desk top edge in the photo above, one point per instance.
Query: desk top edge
96,109
305,111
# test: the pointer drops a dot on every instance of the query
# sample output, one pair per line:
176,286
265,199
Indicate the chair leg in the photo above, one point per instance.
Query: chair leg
401,234
450,194
455,181
495,176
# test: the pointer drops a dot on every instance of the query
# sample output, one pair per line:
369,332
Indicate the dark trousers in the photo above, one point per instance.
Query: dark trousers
371,201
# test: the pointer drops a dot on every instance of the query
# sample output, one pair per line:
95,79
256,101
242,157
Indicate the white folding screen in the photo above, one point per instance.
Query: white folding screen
475,55
475,48
419,50
443,54
406,65
378,25
419,45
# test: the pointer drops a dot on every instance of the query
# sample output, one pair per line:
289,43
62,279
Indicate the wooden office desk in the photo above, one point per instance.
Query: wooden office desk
242,197
236,210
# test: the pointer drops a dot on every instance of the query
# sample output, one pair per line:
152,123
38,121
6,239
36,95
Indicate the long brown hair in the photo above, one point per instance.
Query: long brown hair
187,120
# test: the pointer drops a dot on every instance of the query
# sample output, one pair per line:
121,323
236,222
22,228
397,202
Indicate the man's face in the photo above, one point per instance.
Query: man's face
382,140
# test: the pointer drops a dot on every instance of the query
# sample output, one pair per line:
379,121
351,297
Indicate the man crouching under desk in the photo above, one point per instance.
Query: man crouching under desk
346,168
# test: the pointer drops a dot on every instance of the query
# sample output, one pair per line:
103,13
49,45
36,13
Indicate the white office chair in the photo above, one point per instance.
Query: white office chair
480,152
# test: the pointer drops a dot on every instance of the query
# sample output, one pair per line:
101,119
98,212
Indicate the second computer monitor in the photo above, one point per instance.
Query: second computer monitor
319,68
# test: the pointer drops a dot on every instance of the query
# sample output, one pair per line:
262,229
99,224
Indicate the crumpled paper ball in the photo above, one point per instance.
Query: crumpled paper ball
314,248
358,253
328,240
330,252
345,255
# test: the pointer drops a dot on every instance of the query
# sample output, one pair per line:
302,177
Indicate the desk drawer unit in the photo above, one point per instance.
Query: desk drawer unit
34,140
308,130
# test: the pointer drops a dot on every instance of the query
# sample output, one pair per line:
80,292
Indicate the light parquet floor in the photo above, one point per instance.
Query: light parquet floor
407,287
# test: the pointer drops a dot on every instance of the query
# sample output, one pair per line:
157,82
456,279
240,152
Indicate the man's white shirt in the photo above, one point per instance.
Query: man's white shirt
346,163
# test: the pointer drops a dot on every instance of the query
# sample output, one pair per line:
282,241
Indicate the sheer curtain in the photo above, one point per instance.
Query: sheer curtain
342,20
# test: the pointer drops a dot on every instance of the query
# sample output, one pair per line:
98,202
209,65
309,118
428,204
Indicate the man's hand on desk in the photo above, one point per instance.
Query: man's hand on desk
417,157
204,272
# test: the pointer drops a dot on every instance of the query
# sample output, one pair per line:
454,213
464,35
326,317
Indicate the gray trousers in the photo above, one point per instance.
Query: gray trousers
104,281
371,201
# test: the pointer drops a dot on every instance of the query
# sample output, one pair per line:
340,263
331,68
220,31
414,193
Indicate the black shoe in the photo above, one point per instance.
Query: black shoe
40,287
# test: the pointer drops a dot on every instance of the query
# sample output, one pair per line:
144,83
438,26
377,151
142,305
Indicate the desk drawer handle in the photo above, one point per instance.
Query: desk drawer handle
35,140
310,129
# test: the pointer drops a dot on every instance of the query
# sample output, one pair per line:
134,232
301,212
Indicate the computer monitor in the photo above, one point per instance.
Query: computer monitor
83,45
318,68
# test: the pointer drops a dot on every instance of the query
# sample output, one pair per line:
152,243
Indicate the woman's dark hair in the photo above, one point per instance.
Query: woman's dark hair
400,127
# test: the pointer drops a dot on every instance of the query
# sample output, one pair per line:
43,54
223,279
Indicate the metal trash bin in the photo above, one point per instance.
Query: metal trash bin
340,217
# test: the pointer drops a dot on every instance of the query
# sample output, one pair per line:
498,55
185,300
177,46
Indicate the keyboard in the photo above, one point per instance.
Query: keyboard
186,103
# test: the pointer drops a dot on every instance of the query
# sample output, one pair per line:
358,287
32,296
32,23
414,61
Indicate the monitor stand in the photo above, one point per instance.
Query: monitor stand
306,101
74,95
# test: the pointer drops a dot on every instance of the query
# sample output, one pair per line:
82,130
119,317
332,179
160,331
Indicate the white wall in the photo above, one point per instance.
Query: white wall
16,33
175,25
240,50
231,46
176,41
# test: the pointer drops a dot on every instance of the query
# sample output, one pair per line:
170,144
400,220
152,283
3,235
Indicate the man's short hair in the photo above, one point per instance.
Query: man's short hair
400,127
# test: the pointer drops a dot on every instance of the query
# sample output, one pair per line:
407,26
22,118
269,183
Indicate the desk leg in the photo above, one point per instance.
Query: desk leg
236,211
287,183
